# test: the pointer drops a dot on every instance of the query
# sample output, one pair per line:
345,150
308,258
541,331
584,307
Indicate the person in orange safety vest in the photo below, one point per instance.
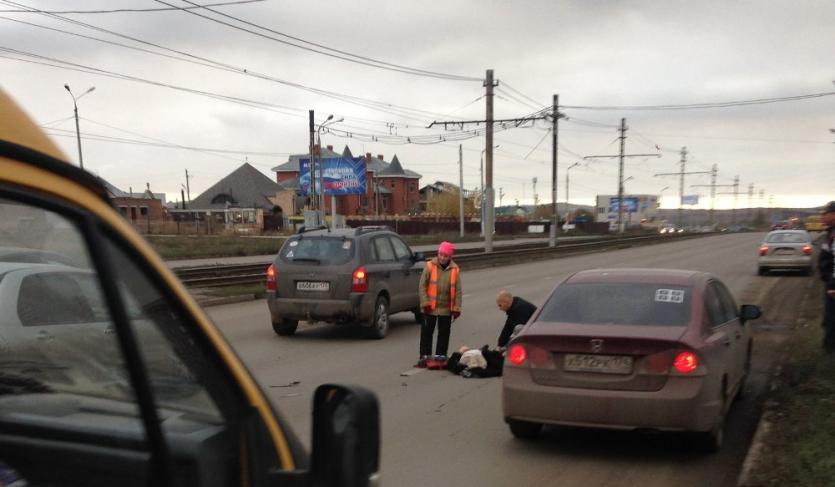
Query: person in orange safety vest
440,302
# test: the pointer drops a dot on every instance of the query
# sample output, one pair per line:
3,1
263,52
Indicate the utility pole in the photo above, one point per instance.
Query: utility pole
750,199
713,172
567,174
735,192
488,173
501,196
621,156
555,225
683,172
312,188
461,187
489,121
188,191
535,196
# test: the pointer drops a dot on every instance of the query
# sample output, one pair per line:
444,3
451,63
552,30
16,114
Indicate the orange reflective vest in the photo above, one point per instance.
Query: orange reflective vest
432,288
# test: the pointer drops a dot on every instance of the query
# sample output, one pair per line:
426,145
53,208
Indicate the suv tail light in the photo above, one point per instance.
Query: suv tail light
686,362
763,249
517,355
359,281
807,249
271,283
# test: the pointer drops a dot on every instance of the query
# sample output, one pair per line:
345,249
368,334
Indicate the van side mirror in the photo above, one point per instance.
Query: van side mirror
346,437
749,312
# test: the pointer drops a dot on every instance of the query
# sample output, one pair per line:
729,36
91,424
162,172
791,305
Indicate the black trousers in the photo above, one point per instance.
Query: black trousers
427,330
828,322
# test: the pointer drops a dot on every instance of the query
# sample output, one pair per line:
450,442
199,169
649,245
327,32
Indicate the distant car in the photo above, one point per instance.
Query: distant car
782,225
630,349
348,275
786,249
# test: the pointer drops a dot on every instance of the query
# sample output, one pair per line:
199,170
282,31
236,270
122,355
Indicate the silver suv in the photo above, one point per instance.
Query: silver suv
347,275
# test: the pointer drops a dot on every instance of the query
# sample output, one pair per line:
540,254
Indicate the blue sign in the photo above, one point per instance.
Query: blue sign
630,204
342,176
692,199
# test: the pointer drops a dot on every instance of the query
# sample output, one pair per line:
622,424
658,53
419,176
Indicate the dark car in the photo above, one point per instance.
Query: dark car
667,350
348,275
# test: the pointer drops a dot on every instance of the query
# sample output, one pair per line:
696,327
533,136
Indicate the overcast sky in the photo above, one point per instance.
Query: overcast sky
590,52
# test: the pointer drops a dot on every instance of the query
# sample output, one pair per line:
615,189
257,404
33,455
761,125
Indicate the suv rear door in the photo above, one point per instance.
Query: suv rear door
383,269
408,275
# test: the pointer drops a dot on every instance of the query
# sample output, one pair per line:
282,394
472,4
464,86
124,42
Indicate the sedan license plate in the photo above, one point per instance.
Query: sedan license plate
784,252
607,364
313,286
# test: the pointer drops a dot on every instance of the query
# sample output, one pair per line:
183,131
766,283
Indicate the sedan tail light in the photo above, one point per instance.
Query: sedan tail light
807,249
763,249
359,281
271,275
686,362
516,354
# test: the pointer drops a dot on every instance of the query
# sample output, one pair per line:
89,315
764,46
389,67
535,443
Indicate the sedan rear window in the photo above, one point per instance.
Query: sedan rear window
787,238
619,304
318,250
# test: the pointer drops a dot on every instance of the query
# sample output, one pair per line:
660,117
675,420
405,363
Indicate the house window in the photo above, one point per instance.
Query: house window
143,210
392,185
124,211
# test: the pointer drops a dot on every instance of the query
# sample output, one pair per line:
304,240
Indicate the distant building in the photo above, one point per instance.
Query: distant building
138,208
637,208
432,194
391,189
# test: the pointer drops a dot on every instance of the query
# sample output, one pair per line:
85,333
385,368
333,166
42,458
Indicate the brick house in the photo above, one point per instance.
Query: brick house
391,189
138,208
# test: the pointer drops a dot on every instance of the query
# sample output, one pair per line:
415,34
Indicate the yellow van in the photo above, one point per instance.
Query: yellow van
111,373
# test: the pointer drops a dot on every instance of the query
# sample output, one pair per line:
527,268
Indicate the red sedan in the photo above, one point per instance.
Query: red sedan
630,349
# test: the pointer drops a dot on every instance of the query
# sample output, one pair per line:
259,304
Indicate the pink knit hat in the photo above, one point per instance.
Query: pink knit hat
446,248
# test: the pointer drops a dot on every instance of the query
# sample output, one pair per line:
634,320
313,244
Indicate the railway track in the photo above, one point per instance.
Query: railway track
236,274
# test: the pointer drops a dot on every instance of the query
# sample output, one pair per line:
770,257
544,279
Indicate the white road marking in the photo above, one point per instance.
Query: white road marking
411,372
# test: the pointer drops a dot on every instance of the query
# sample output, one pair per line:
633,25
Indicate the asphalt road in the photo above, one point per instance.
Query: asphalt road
441,429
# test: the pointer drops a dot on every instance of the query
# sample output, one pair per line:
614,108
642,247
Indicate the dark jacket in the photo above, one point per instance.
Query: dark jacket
826,262
519,313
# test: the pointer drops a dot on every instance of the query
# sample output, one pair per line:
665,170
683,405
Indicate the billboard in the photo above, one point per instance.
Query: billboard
690,199
630,204
342,176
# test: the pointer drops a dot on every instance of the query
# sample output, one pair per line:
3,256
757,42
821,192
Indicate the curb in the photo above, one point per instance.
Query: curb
758,441
206,302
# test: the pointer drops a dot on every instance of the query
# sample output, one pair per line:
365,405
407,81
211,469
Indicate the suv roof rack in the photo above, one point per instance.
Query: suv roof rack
370,228
304,229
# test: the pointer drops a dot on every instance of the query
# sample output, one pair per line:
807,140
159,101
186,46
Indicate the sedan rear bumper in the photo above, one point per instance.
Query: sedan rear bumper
792,262
681,405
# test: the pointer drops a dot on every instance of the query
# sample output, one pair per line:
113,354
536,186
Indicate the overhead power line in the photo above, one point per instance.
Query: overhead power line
128,10
319,48
693,106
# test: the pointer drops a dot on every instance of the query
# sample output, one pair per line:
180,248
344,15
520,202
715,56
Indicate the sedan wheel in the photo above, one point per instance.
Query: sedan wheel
380,321
524,430
711,441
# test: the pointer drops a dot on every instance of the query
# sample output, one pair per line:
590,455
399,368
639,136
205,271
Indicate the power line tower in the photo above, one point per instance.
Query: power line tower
713,172
535,195
621,156
750,200
681,173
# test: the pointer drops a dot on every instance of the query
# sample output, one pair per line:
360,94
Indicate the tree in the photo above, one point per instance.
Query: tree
447,203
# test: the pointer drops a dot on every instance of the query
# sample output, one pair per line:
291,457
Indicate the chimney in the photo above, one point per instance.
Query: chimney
380,156
330,148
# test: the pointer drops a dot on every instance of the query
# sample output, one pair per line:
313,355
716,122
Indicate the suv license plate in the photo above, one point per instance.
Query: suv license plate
312,286
607,364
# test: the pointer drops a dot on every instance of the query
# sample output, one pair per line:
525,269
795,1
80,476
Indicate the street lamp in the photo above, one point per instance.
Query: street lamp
481,183
321,201
75,108
567,174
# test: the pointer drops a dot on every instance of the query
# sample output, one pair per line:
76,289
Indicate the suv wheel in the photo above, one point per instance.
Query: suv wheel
285,327
380,319
524,430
